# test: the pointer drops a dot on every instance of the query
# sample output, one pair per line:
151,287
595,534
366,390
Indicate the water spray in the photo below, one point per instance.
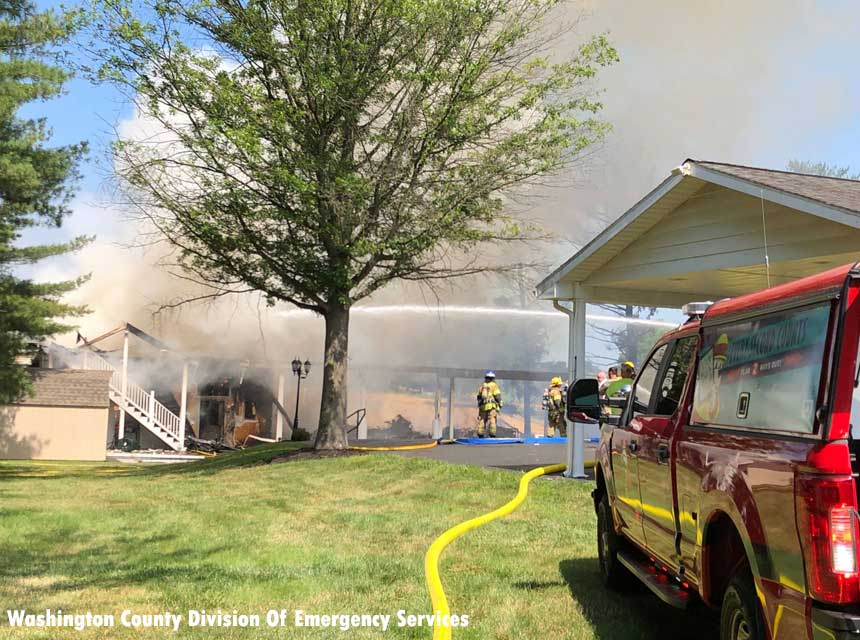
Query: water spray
486,311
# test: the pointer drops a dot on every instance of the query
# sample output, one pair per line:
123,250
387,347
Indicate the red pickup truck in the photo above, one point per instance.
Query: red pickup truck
729,474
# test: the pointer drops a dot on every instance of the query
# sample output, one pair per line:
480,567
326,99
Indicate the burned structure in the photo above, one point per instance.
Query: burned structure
161,397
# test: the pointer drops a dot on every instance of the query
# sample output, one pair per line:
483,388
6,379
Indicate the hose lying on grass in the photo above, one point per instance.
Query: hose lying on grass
431,560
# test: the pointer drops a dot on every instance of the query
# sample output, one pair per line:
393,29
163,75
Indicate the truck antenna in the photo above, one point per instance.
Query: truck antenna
764,233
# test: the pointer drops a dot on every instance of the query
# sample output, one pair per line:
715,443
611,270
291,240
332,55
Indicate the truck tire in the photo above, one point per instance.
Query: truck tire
614,574
740,615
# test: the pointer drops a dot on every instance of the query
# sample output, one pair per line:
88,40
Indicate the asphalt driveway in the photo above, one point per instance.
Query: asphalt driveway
499,456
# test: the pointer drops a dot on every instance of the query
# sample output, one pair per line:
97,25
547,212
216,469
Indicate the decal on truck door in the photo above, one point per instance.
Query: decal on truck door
763,373
743,405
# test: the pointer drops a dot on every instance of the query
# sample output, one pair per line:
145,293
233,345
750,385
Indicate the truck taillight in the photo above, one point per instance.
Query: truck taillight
842,556
826,523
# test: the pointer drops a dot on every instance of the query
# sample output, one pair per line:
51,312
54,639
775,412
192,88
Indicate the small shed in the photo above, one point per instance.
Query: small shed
65,417
709,231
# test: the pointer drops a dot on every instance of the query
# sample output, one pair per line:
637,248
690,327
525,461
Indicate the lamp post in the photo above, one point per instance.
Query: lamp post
301,372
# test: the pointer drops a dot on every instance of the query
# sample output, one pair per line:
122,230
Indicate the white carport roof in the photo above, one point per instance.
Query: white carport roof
703,233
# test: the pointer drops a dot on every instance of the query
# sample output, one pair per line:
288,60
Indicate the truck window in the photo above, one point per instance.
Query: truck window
854,419
672,385
646,380
855,415
763,373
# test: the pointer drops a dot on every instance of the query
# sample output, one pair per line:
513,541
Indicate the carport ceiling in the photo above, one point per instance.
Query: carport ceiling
703,233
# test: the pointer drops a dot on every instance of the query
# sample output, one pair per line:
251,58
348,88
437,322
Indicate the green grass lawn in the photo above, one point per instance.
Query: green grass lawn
336,535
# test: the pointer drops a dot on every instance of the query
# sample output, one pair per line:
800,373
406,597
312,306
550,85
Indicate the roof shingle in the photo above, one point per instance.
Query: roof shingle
833,192
68,388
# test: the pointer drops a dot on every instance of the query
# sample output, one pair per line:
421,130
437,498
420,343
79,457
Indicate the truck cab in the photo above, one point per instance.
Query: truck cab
729,476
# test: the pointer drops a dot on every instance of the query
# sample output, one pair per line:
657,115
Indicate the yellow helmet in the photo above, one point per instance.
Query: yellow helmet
556,381
629,363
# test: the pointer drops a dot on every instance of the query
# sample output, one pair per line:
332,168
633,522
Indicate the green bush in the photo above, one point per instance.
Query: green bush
301,435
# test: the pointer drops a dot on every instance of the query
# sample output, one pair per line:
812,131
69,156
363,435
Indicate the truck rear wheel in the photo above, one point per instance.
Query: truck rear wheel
614,574
740,616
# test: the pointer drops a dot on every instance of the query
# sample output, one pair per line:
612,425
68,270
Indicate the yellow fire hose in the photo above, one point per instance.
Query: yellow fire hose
407,447
431,560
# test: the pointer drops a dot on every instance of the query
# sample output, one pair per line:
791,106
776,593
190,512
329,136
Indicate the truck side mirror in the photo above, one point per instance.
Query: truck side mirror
583,400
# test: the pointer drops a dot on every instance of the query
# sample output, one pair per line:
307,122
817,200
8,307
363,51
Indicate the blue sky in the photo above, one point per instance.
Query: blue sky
85,112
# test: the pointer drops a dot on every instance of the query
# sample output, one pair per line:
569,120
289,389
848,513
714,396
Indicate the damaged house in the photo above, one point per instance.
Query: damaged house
151,396
160,395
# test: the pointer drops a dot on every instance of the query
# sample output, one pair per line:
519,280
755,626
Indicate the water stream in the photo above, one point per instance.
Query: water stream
415,309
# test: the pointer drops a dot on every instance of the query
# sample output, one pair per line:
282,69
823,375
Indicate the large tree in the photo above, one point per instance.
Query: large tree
35,185
316,150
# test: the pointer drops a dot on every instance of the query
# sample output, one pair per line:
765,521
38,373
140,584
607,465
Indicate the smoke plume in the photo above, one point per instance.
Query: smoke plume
728,81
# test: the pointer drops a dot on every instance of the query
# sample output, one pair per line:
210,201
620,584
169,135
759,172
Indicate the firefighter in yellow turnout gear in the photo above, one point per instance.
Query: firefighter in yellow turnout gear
555,409
489,402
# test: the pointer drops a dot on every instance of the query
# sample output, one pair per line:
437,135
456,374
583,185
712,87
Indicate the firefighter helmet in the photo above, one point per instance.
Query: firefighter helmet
556,381
490,374
721,347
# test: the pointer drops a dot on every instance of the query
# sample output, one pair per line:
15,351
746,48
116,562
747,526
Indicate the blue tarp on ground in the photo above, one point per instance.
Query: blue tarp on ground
556,440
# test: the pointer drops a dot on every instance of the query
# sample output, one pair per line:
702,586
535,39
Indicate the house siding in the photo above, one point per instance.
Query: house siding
32,432
720,231
65,417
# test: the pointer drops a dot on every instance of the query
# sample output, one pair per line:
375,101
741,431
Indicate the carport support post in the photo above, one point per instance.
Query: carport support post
183,406
576,370
124,387
527,409
437,407
280,384
578,459
451,408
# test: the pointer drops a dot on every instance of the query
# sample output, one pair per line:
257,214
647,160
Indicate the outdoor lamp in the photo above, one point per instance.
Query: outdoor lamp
300,370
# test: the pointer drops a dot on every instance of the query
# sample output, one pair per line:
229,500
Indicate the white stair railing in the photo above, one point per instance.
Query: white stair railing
142,406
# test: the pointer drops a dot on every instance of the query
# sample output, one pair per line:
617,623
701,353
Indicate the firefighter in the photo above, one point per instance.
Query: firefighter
489,402
555,408
628,373
611,376
623,385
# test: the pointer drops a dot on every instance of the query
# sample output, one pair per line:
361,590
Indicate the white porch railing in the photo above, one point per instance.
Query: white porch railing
139,404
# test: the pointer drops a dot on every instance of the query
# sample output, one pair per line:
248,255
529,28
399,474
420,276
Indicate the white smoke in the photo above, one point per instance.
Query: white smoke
734,81
727,81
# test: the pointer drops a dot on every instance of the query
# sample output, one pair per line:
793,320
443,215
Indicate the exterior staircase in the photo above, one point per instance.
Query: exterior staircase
138,403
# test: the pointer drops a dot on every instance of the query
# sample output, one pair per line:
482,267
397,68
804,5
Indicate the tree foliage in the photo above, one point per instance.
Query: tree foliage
35,185
632,341
823,169
315,151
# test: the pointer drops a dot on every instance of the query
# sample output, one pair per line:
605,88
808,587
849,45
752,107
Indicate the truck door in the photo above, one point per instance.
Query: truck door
625,449
656,428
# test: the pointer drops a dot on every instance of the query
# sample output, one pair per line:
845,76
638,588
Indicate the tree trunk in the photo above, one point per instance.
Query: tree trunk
332,427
